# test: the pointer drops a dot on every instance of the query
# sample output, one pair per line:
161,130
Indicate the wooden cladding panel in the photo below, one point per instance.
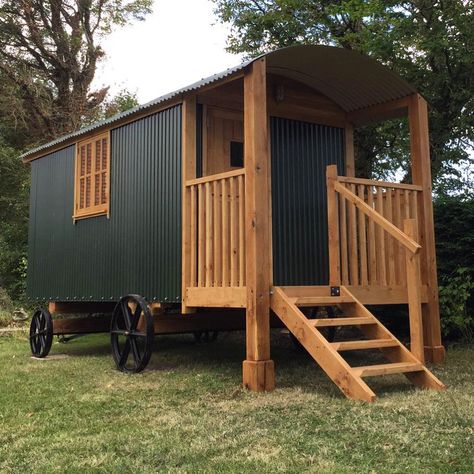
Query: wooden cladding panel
91,194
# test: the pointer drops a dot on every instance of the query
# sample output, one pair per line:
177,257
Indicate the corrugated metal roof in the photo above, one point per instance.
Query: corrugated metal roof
350,79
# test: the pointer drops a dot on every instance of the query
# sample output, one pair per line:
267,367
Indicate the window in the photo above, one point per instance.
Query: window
236,154
91,184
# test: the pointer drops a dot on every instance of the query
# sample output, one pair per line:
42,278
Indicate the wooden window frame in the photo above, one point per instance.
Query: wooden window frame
92,210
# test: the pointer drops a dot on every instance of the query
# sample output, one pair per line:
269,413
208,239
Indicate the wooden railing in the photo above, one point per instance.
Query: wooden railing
371,252
373,240
217,213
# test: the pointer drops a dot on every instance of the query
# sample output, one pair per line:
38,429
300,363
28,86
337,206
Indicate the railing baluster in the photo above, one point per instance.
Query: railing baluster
363,241
391,262
344,249
202,236
381,239
193,237
373,275
233,235
353,254
414,207
406,203
225,234
241,231
209,235
398,251
217,234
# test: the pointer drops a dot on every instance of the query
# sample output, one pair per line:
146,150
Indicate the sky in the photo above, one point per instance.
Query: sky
179,43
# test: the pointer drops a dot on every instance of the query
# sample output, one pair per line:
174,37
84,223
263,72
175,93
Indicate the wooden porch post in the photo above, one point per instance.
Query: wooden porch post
333,227
258,369
188,172
421,175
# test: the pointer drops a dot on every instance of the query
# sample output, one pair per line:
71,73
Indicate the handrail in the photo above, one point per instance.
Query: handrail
382,184
393,230
215,177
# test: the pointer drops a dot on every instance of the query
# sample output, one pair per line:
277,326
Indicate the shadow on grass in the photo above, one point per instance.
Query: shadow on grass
294,368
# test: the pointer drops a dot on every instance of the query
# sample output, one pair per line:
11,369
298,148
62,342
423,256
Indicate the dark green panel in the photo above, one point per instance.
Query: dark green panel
300,153
137,250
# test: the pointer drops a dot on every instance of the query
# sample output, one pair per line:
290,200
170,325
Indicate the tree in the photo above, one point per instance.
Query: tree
49,52
14,220
429,43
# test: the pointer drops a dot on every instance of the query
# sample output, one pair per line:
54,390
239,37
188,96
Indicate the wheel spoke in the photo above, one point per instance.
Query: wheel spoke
136,352
34,342
119,332
136,317
42,322
125,353
126,314
42,340
38,333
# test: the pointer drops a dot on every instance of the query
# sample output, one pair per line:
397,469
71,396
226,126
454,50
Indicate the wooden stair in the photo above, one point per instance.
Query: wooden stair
327,354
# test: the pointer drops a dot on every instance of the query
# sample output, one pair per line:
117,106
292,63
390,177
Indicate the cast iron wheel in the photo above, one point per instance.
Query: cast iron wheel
205,336
41,333
131,334
328,332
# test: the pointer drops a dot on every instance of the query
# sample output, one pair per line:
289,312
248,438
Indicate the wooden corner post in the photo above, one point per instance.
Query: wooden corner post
258,369
421,175
414,293
188,172
333,227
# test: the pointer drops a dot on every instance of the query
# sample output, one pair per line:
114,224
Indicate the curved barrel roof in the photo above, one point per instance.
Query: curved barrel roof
350,79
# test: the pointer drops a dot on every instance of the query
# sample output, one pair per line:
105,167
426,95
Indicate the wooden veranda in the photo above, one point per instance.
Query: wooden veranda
381,248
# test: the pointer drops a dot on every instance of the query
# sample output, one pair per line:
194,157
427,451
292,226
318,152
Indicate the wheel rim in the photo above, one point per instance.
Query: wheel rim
131,334
41,333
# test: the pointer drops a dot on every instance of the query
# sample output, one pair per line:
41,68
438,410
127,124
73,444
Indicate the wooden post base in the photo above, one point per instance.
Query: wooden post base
259,376
435,354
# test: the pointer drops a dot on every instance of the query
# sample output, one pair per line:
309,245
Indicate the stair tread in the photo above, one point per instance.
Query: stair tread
321,300
364,344
324,322
385,369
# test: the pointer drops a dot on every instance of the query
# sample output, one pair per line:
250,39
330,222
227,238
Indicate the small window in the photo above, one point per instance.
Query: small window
91,183
236,154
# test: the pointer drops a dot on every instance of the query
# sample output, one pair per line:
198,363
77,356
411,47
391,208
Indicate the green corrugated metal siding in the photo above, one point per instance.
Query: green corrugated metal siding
137,250
300,153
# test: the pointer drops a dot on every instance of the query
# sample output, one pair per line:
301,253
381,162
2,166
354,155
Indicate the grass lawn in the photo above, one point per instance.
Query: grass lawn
188,413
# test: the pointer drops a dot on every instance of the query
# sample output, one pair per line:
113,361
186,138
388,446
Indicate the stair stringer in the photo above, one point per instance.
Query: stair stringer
399,353
338,370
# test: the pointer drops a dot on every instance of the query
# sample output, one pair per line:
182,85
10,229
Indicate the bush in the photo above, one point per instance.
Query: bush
454,293
454,229
6,308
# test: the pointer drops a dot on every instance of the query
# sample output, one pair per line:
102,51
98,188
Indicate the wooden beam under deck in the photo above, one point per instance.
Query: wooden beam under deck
222,320
217,297
372,295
